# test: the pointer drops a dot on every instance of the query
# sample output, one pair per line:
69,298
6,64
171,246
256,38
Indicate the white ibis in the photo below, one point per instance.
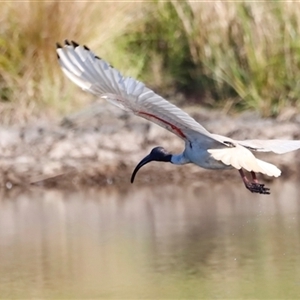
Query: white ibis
207,150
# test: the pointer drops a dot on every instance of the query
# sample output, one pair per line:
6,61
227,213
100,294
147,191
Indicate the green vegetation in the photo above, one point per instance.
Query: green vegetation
236,55
31,82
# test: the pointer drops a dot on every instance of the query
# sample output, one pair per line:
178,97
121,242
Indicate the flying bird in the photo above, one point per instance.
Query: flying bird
202,148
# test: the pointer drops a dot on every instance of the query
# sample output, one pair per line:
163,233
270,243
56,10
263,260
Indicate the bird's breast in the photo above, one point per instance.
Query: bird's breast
203,159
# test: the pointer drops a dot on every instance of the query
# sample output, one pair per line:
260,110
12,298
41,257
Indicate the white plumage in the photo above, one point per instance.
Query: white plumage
203,148
240,157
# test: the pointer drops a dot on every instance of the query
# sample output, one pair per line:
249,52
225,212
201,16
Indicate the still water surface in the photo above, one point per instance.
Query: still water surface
205,241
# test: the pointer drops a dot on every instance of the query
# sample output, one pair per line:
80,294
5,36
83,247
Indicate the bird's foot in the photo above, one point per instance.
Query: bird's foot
255,187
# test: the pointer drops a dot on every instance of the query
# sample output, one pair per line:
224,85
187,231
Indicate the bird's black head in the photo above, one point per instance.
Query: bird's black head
156,154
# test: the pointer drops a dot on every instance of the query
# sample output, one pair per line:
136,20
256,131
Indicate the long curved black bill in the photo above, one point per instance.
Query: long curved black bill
143,162
157,154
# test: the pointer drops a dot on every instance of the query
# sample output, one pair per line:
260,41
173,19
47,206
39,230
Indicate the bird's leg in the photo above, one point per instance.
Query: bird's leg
254,186
254,177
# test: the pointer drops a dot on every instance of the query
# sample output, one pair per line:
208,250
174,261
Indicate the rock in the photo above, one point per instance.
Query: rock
103,147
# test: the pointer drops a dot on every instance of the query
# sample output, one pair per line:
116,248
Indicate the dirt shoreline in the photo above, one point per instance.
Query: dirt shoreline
103,145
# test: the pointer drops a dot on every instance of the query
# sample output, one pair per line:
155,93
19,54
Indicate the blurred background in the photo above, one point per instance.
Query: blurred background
181,232
237,56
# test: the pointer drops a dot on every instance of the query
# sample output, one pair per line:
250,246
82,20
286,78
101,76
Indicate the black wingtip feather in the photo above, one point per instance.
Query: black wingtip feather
57,56
58,46
74,44
67,43
86,48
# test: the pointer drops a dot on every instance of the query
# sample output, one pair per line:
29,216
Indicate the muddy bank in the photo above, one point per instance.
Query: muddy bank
102,146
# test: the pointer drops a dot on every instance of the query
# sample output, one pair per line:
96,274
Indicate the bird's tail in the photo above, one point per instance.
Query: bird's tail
240,157
267,168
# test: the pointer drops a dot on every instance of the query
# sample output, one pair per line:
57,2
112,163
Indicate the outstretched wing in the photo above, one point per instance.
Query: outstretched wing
276,146
95,75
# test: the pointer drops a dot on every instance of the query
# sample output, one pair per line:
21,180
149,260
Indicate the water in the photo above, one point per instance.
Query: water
198,241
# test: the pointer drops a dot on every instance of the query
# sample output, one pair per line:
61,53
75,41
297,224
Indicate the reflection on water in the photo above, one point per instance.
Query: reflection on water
160,242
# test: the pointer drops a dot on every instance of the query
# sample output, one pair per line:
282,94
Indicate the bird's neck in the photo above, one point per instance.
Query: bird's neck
179,159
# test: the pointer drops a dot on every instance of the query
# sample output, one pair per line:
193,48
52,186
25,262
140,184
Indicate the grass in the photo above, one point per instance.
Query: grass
237,55
31,82
245,55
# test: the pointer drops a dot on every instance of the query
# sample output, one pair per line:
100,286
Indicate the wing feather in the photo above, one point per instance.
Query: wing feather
276,146
98,77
